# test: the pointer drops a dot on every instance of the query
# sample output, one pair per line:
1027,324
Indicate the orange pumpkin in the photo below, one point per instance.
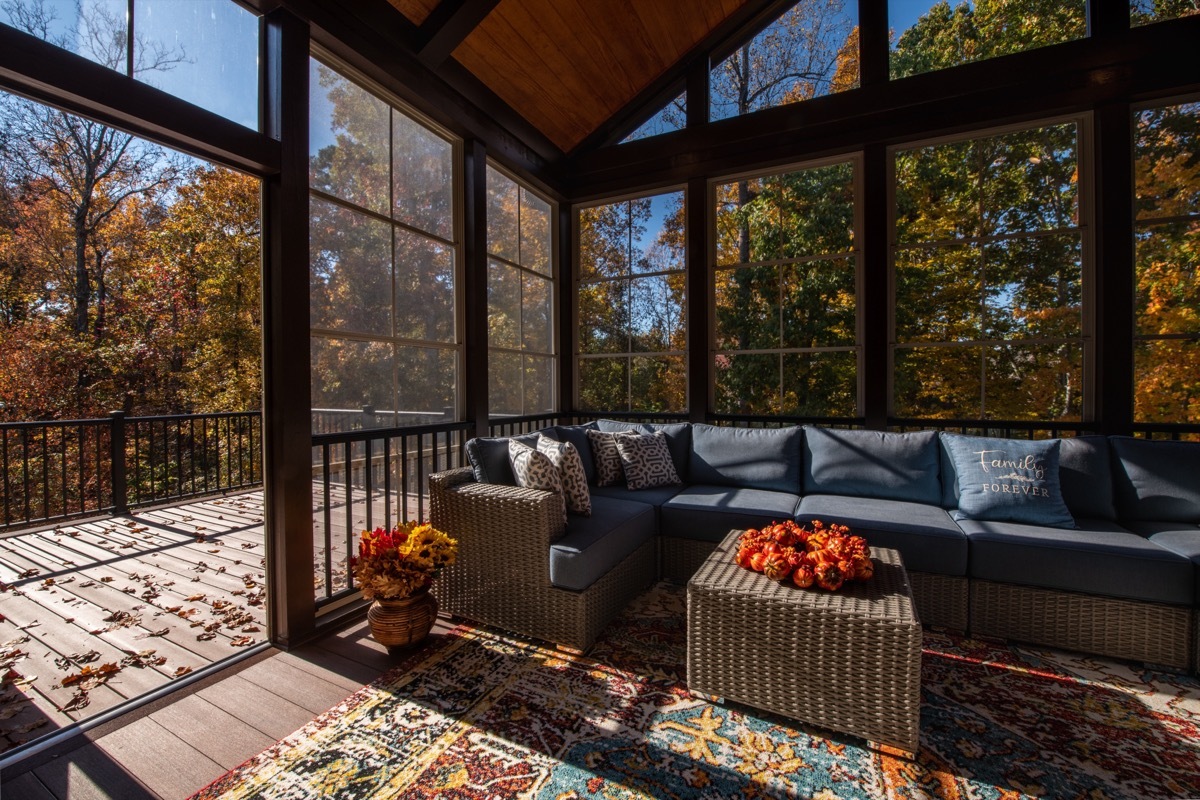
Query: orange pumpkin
776,567
803,576
829,577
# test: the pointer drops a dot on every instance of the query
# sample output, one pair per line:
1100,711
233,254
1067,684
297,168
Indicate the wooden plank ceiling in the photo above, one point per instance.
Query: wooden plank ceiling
568,65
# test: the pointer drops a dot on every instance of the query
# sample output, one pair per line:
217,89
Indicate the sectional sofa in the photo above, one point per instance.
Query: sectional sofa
1120,578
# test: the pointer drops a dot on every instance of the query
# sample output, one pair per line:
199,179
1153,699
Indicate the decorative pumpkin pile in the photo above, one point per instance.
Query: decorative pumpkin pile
824,556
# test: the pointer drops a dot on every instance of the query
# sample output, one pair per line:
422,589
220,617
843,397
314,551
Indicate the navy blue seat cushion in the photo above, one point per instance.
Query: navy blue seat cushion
708,513
577,435
1178,537
654,496
896,466
751,458
594,545
927,538
488,456
1099,558
1156,480
1084,470
679,438
1007,480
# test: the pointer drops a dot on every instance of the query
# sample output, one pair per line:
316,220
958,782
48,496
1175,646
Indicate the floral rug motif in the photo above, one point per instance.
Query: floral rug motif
481,714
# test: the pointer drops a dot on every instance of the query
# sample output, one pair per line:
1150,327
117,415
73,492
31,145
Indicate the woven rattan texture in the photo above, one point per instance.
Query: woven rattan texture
847,661
502,574
941,599
1149,632
680,558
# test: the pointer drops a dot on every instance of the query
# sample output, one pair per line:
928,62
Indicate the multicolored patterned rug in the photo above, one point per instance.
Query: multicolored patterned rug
480,714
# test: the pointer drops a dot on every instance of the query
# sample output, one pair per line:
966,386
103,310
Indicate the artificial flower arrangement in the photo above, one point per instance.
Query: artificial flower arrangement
401,562
826,557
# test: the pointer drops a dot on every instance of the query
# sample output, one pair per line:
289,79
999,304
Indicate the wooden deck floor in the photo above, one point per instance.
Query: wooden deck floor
176,746
97,612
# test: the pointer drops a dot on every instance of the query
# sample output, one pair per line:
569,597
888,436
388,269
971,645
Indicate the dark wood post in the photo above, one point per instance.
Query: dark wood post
699,282
287,425
116,440
876,296
475,276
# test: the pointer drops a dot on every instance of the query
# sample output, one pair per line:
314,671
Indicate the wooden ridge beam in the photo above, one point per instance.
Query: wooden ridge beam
447,26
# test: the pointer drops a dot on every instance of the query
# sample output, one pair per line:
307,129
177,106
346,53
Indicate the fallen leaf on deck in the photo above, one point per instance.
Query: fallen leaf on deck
204,637
33,624
196,597
106,579
29,573
251,629
161,632
248,545
142,658
78,701
181,672
241,641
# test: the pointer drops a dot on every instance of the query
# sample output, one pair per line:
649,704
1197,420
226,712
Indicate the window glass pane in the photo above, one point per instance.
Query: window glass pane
504,305
539,384
348,375
425,381
348,140
350,270
203,51
537,324
819,306
424,288
658,385
930,36
939,382
504,383
604,317
1034,382
604,241
535,233
1167,159
809,51
1142,12
747,384
604,384
820,384
939,297
657,314
672,117
94,29
1034,287
1168,279
747,308
1167,376
744,227
657,233
423,177
937,193
503,213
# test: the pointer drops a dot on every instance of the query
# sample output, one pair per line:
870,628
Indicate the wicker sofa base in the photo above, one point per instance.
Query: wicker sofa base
1148,632
941,600
561,616
680,558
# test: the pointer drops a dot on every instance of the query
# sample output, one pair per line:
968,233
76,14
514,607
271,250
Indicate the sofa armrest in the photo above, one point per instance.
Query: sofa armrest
501,529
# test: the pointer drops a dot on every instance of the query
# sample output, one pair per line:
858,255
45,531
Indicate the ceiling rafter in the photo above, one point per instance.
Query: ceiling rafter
446,27
747,22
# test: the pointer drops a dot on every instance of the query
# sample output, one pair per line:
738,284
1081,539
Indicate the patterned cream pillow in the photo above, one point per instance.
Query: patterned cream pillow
646,460
534,470
566,460
607,458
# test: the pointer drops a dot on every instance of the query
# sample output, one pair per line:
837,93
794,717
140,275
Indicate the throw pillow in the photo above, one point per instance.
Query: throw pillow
569,464
1008,480
607,457
646,460
534,470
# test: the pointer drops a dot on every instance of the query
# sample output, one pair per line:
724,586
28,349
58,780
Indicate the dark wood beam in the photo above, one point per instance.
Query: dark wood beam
746,22
874,49
287,420
700,213
875,291
40,71
380,42
447,26
566,224
1148,63
475,279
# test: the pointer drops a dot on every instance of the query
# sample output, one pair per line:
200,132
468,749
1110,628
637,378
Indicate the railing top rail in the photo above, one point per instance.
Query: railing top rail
207,415
56,423
764,418
101,421
368,434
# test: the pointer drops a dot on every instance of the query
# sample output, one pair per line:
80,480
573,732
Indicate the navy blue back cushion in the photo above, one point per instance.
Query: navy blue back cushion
1156,480
577,435
889,466
489,456
679,438
751,458
1086,476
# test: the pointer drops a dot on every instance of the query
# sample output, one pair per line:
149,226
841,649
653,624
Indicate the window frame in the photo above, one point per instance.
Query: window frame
577,281
552,279
855,159
330,60
1085,165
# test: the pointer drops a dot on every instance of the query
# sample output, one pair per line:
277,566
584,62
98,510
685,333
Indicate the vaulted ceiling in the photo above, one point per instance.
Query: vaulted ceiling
569,66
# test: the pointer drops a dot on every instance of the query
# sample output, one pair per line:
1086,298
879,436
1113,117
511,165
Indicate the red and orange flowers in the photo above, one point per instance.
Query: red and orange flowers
826,557
398,563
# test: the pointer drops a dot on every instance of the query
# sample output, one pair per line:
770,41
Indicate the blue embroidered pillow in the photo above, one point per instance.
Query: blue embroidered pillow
1008,480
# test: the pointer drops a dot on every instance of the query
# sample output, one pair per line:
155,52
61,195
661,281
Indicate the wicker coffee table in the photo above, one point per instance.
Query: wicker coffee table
847,661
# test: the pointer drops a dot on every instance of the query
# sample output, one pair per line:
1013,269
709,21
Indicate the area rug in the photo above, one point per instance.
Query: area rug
480,714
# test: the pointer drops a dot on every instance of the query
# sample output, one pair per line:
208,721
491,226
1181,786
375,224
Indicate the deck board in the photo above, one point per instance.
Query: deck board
149,565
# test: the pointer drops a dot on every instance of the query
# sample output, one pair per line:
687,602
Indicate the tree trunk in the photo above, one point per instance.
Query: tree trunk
83,284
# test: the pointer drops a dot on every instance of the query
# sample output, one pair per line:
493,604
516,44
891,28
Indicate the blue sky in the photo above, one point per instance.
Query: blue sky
903,13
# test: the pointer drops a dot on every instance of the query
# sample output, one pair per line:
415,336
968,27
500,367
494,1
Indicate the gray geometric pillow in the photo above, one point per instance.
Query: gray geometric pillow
534,470
566,460
607,458
646,460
